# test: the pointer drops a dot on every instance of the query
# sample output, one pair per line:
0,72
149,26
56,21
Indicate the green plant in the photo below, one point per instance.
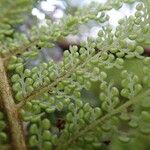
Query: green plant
97,95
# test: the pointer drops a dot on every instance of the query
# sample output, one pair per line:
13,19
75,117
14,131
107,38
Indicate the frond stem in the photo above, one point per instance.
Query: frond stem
15,126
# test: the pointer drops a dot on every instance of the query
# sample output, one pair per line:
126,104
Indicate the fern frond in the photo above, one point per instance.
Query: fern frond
97,95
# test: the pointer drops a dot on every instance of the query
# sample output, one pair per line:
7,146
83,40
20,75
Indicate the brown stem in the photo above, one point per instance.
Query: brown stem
11,111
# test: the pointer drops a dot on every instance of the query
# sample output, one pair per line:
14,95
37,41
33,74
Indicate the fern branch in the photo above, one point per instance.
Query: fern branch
18,50
71,22
50,87
10,108
101,120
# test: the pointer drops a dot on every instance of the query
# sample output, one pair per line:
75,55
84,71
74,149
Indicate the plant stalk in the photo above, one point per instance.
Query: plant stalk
15,126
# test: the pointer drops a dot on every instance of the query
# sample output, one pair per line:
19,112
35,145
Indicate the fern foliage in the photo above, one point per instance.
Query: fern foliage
97,95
